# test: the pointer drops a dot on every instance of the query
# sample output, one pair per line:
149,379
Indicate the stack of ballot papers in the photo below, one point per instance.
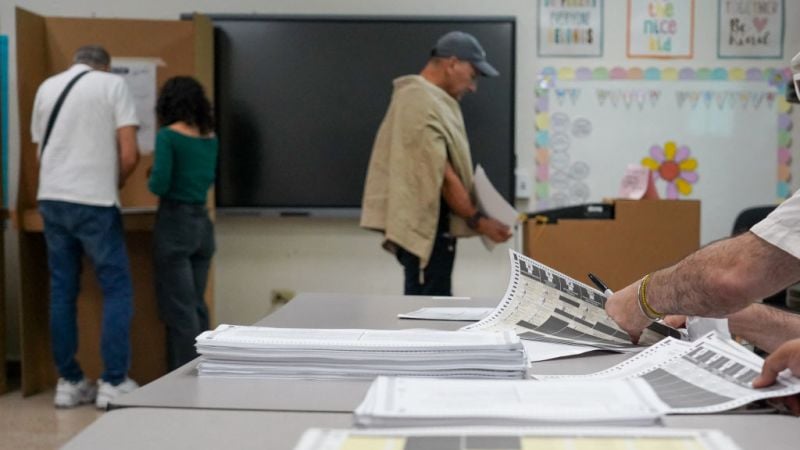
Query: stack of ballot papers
417,402
246,351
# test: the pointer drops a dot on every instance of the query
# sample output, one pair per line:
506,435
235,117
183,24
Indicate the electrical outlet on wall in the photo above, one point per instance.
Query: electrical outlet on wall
524,183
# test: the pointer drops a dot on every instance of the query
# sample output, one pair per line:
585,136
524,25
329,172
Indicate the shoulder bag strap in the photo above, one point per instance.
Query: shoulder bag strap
52,120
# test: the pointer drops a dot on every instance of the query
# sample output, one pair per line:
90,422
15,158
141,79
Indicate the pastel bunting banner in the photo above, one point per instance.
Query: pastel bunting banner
627,98
723,100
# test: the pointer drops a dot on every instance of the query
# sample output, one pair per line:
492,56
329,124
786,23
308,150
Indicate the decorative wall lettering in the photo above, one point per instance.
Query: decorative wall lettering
750,28
660,28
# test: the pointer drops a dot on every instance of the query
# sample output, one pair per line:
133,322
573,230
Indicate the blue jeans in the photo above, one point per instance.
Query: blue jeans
70,230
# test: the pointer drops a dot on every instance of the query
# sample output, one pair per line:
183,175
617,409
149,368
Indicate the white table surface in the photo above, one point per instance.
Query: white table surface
196,429
208,429
180,409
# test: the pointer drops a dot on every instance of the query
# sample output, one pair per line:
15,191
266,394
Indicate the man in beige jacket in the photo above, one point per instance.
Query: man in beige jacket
419,180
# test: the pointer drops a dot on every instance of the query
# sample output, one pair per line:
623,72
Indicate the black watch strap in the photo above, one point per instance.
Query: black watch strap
472,221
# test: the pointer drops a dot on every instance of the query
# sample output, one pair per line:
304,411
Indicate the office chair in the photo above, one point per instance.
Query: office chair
749,217
746,219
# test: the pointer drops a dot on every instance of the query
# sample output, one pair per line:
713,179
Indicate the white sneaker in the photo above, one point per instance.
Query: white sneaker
108,391
69,394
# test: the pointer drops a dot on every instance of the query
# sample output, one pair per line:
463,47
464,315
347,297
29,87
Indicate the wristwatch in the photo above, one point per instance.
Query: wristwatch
472,221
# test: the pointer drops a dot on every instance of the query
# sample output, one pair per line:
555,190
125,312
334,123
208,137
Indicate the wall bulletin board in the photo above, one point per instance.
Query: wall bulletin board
715,135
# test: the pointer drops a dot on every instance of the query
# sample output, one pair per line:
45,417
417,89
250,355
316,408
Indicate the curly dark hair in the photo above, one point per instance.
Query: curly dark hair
182,99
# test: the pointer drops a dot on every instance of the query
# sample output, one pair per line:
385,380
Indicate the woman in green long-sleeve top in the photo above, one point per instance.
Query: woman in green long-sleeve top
183,171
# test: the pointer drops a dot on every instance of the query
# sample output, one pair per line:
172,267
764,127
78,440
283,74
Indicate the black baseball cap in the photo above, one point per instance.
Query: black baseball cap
465,47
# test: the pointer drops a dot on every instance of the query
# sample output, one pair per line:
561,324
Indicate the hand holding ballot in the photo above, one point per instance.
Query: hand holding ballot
787,356
499,216
623,307
492,228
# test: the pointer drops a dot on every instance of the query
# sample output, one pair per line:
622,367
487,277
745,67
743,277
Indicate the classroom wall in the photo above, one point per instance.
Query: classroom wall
257,256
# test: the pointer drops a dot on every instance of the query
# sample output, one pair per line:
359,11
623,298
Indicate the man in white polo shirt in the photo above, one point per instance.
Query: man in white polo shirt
85,123
724,277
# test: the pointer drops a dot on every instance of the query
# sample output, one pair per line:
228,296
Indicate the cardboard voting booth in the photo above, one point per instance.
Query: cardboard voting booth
3,378
637,237
45,46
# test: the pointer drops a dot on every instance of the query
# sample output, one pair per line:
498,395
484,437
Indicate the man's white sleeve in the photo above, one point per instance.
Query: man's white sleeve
782,227
124,107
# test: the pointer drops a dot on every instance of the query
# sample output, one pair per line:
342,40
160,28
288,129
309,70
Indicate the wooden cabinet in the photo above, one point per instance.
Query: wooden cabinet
641,237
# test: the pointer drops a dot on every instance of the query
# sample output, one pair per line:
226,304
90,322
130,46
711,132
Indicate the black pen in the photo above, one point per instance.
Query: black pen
600,285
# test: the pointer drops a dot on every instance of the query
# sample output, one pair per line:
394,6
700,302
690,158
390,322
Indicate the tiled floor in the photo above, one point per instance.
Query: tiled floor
32,423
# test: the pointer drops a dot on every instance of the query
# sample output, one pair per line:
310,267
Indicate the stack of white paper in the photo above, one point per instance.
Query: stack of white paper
409,402
241,351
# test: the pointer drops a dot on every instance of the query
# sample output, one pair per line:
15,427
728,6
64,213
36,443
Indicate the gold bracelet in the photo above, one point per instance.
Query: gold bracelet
645,307
639,298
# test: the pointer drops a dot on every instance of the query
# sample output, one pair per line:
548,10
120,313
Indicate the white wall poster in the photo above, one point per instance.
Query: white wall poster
570,28
751,29
660,28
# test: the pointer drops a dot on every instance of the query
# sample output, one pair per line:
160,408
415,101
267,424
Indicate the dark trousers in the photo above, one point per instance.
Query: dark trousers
183,239
437,276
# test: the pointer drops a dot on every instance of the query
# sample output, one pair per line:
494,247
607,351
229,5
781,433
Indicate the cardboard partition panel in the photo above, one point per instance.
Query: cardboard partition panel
3,377
147,333
643,236
37,370
45,46
32,68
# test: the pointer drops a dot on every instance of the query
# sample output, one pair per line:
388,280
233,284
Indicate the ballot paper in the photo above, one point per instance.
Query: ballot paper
542,351
140,74
709,375
535,350
240,351
468,314
491,203
408,402
542,304
466,438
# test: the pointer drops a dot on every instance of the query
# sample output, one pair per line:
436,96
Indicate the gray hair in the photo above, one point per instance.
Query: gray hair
92,55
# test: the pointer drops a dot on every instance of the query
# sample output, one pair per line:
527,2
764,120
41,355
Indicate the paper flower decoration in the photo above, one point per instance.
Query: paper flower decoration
674,165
